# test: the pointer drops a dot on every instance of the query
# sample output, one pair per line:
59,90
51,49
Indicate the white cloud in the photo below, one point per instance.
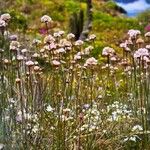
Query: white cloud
135,7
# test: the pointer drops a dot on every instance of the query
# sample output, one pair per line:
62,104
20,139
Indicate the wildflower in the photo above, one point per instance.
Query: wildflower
36,42
6,61
45,56
43,31
13,37
108,51
141,52
148,47
70,36
129,41
77,57
56,35
14,45
78,43
92,128
35,55
24,50
88,49
20,57
91,62
18,80
36,63
46,19
137,128
56,63
123,45
92,37
113,58
133,33
147,28
86,106
52,46
61,32
66,110
49,39
19,116
29,63
36,68
6,17
42,50
2,23
147,34
65,43
1,50
132,138
35,128
60,50
127,49
49,108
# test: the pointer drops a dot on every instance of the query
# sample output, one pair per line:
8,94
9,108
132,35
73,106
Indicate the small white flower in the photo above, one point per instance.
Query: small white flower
141,52
70,36
147,34
2,23
36,41
5,17
36,68
56,63
56,35
78,43
46,19
24,50
60,50
14,45
77,57
29,63
133,33
137,128
49,39
92,37
61,32
123,45
66,110
148,47
91,62
49,108
35,55
19,57
108,51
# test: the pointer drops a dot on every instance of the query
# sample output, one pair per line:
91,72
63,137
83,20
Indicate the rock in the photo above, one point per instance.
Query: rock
120,9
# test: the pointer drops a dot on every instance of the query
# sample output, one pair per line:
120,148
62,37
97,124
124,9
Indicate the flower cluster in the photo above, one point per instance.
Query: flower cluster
4,19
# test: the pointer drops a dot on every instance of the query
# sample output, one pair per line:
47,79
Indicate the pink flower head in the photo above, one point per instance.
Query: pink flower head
108,51
133,33
6,17
141,52
147,28
46,19
43,31
91,62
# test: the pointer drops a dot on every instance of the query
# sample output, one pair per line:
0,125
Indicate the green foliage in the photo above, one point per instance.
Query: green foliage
110,4
19,21
111,29
72,6
144,17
